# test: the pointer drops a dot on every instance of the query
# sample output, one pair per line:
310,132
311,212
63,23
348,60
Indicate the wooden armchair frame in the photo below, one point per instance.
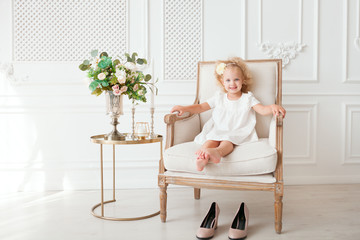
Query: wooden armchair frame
276,187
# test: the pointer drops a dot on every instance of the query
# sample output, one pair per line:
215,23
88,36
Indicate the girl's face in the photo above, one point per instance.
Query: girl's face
233,80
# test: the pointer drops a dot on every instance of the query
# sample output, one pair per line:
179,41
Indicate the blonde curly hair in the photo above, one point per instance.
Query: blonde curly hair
221,66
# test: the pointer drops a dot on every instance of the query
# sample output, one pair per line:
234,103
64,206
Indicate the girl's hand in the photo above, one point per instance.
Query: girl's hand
276,109
179,109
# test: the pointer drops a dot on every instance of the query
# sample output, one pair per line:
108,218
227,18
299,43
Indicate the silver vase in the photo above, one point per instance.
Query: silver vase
114,108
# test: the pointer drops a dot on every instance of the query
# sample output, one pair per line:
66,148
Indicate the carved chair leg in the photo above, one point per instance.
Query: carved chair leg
278,212
197,193
163,201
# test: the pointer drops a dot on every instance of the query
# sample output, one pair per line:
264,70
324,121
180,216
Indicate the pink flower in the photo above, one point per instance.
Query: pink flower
136,87
123,89
140,92
115,87
117,92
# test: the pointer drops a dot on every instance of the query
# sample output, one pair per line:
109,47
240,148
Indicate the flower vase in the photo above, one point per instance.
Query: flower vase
114,108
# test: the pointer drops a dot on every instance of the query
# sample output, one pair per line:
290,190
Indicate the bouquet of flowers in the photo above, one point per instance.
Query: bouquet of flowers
121,76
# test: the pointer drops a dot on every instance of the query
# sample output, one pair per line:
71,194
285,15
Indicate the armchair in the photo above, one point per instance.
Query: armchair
254,166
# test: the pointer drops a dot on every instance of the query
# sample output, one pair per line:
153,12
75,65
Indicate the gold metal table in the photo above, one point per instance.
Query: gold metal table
99,139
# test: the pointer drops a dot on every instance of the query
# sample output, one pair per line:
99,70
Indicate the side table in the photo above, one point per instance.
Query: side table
100,139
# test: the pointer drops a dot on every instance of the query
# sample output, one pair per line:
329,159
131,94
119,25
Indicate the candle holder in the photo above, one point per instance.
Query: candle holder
133,121
142,130
152,134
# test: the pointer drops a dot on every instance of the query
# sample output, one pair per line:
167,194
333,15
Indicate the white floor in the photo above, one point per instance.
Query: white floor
310,212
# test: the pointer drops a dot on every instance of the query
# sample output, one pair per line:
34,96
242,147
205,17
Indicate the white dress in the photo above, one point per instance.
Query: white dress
231,120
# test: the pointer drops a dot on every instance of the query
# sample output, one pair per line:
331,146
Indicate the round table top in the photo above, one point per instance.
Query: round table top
100,139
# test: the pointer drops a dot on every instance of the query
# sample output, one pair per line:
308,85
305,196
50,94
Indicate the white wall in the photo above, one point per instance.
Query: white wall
47,113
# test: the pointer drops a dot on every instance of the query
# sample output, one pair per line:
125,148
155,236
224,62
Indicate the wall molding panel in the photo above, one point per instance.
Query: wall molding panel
352,133
346,40
288,51
309,110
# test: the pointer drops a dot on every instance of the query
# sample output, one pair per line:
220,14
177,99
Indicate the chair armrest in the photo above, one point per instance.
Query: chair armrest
171,118
279,147
279,120
180,129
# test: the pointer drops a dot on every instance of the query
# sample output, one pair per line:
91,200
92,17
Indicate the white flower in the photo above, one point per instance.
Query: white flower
121,76
101,76
220,68
131,66
95,63
140,92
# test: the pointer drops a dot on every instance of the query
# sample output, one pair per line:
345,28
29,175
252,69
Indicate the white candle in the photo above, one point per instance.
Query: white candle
152,86
141,131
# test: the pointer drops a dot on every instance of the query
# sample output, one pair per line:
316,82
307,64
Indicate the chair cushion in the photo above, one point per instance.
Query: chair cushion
247,159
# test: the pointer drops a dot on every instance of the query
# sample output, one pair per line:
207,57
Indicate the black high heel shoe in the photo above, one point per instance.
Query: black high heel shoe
209,224
239,226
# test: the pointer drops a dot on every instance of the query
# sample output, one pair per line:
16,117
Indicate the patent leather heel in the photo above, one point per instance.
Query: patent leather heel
209,224
239,226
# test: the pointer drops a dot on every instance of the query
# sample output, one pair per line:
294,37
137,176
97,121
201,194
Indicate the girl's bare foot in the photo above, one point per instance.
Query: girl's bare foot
214,155
201,163
200,153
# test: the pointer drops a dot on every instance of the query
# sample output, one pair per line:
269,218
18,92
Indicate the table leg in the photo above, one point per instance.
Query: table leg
102,180
102,204
114,172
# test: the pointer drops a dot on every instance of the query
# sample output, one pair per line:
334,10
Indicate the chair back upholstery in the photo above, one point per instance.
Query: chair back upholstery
266,88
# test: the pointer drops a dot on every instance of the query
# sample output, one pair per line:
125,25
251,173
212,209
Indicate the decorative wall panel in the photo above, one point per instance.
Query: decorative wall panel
351,41
67,30
182,38
300,133
352,134
286,51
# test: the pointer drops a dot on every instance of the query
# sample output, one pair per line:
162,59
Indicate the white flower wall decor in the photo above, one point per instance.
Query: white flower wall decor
286,51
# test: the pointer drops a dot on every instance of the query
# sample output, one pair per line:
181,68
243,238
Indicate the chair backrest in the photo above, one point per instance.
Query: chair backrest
267,79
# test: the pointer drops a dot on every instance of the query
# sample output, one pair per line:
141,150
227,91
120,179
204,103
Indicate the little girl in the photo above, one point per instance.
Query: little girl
233,119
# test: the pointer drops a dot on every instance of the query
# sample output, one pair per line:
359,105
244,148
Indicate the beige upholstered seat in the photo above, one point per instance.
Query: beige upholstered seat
251,166
248,159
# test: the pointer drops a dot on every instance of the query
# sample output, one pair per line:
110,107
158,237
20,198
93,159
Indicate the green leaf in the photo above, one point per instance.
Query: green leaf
104,54
113,80
129,59
86,62
147,77
105,62
133,57
140,61
84,67
97,92
104,83
94,53
116,62
93,85
141,75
